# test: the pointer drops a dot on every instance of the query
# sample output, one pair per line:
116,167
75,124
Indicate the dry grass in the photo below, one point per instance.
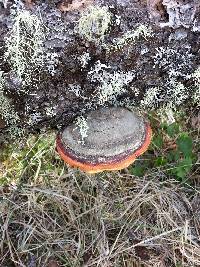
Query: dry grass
112,219
51,213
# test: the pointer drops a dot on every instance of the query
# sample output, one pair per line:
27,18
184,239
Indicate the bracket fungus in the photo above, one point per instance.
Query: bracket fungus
115,137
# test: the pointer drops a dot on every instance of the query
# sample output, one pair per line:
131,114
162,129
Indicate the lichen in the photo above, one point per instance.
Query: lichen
130,37
51,62
173,61
84,59
76,89
111,83
196,77
179,13
34,118
24,45
151,99
177,93
167,114
82,125
94,23
8,113
172,95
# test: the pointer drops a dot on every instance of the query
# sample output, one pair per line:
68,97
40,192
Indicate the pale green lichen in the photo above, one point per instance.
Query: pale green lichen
177,93
130,37
111,83
50,111
7,112
25,45
173,95
33,118
76,89
94,23
196,96
82,125
151,98
196,77
84,59
173,62
51,62
167,114
196,74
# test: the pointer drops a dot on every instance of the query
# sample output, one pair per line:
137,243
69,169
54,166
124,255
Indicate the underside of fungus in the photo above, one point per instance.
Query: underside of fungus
115,137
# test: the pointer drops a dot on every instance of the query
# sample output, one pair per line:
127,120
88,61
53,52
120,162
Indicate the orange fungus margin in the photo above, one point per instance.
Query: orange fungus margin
95,168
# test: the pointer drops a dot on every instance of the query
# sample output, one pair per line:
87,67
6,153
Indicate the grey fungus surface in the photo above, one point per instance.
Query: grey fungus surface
114,137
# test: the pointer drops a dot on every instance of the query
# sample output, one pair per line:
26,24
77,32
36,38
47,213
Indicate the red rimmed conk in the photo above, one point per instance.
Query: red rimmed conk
115,137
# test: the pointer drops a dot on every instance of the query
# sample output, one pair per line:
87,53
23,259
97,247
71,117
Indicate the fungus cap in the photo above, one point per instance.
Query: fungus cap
115,137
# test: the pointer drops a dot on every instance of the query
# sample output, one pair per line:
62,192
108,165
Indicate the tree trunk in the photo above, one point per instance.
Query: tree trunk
83,54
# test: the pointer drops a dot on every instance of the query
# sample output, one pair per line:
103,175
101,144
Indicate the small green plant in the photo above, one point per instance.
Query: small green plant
184,156
28,160
94,23
172,150
178,157
139,168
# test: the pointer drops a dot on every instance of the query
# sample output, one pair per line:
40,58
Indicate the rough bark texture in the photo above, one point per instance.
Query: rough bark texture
63,88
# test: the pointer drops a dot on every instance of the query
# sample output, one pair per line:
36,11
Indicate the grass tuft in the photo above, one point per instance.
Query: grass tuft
110,220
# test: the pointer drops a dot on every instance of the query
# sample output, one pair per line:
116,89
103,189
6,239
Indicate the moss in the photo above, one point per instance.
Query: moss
94,23
19,160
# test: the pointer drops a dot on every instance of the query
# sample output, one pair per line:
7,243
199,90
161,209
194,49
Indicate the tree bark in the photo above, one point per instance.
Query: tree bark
62,87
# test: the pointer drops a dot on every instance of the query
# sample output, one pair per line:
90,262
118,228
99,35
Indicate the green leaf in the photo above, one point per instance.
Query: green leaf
137,170
160,161
173,129
184,144
173,155
158,141
183,167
